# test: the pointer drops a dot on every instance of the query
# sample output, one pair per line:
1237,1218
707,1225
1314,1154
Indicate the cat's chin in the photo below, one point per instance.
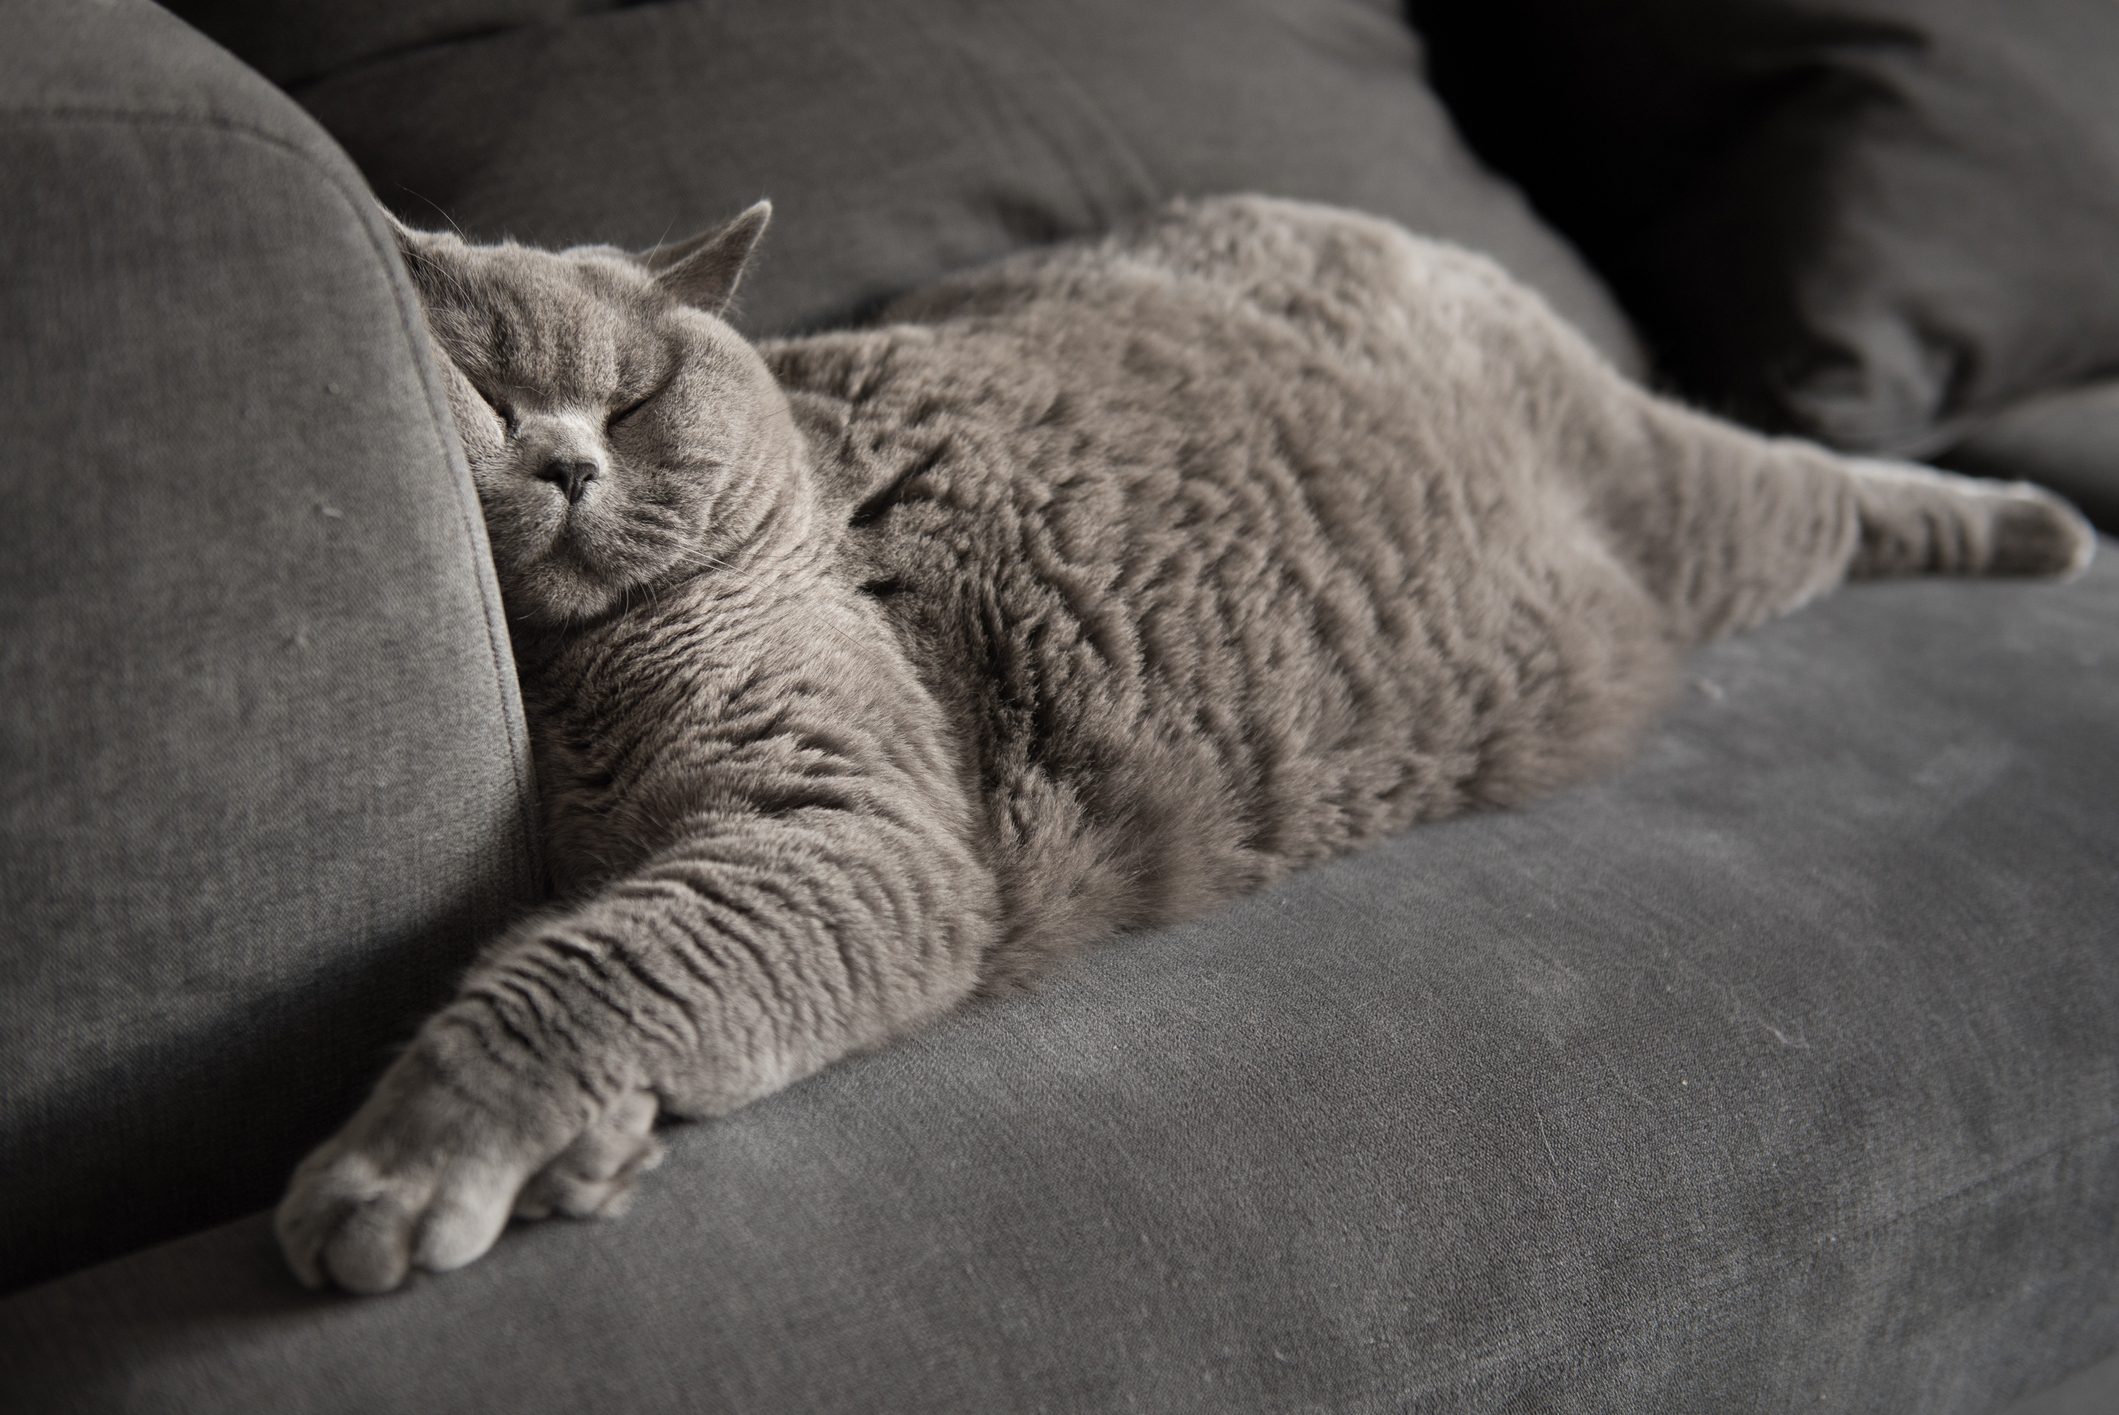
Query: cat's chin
555,594
584,574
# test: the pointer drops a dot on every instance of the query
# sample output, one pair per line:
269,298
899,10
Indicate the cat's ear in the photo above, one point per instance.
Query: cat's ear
411,243
419,248
703,270
405,234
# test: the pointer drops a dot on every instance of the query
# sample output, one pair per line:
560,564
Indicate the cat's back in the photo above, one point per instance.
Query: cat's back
1215,335
1342,281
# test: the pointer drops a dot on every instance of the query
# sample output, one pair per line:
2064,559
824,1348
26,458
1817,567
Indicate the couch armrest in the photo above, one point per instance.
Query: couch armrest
263,778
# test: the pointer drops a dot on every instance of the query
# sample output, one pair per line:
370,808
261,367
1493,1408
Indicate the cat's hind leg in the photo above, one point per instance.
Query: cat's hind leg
1724,526
1919,521
1729,528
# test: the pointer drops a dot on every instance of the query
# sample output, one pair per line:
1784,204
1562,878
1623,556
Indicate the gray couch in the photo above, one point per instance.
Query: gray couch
1778,1071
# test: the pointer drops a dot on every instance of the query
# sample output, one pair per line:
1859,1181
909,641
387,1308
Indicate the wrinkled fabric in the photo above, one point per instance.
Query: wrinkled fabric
289,43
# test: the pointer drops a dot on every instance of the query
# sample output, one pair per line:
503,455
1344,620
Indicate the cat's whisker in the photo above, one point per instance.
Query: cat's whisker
439,210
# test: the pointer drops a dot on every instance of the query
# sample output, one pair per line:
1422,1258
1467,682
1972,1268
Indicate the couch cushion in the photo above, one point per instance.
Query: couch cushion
901,139
1777,1072
1868,221
262,777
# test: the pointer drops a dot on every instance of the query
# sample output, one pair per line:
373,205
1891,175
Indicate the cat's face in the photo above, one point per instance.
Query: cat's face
619,433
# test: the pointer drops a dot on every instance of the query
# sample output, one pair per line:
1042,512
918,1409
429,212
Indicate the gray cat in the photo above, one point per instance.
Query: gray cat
867,671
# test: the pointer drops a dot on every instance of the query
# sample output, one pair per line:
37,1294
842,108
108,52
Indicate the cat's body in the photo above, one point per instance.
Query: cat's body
1078,594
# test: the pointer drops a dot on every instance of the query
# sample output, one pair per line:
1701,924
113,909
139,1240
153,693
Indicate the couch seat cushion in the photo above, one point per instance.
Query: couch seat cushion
1776,1072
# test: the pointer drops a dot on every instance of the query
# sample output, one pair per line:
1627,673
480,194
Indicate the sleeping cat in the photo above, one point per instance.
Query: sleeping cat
868,670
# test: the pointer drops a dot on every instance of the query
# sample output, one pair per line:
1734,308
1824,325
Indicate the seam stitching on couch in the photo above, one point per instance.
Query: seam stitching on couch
1717,1299
525,793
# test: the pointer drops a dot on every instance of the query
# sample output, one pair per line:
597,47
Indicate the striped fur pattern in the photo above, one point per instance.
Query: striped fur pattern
871,669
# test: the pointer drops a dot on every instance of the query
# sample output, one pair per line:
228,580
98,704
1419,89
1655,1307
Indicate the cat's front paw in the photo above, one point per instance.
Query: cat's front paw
428,1171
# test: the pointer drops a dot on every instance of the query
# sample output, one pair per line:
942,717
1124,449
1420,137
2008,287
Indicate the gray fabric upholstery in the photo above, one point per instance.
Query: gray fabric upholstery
1775,1073
2091,1392
261,768
903,139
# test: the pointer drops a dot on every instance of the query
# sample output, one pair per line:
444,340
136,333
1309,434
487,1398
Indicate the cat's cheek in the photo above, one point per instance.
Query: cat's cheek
490,442
478,427
483,436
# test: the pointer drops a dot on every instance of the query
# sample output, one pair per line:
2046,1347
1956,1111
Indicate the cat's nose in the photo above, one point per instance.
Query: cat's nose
571,475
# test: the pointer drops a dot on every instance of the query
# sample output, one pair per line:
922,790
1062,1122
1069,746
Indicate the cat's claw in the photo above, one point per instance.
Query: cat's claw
428,1172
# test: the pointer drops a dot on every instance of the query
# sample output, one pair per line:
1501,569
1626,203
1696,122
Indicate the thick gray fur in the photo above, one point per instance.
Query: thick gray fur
869,670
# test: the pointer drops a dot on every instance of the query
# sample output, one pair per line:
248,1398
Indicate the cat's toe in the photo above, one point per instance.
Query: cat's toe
595,1175
2037,533
369,1248
345,1223
353,1221
306,1220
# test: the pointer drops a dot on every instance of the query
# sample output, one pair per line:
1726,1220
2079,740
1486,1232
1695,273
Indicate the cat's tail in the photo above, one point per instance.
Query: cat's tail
1729,528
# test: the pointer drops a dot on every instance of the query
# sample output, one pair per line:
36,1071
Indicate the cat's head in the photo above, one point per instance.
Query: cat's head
619,432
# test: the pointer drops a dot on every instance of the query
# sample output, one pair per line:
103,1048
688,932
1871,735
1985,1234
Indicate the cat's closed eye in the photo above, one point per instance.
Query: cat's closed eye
621,414
502,409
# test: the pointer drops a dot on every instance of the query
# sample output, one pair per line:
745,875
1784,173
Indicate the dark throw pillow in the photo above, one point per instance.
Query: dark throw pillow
1869,221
